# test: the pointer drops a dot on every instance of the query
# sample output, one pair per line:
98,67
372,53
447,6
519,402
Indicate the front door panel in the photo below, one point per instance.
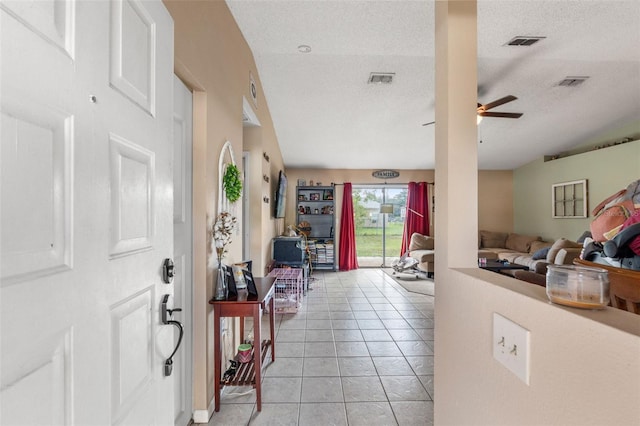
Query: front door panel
86,211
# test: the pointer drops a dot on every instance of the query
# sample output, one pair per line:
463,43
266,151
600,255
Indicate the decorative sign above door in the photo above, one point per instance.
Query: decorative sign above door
385,174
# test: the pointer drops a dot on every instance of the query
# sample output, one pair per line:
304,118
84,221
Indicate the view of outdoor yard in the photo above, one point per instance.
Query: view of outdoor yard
371,225
369,240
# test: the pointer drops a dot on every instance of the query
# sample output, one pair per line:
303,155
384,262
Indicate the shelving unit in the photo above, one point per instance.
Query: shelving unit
316,207
246,372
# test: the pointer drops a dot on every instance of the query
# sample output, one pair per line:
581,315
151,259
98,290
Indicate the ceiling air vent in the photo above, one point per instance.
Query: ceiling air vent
381,77
524,41
572,81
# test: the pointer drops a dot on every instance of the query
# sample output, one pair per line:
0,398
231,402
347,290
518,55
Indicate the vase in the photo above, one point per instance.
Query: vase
221,285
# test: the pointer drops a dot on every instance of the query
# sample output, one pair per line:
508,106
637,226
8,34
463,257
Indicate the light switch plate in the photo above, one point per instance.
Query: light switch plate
511,344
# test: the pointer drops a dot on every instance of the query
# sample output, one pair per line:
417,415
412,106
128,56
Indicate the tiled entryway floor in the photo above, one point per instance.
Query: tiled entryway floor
359,351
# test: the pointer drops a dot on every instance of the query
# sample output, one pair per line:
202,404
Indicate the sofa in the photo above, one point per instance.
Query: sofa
421,248
527,250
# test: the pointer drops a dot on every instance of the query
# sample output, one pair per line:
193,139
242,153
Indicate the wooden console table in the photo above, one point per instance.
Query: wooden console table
249,373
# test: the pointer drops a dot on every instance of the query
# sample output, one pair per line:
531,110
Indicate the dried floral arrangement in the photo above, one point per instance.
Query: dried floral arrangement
221,232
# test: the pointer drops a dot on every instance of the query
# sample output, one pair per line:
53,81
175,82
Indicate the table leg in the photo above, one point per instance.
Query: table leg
217,353
272,314
241,330
257,352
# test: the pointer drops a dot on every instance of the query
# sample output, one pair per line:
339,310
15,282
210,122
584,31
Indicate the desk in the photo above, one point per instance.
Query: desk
250,373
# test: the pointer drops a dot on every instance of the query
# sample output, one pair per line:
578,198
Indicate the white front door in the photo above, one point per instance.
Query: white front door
182,247
86,211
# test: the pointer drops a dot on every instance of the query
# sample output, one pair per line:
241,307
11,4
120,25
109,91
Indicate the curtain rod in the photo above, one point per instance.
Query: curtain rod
386,183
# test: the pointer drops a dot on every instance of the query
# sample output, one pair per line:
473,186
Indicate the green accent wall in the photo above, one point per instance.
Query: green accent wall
607,170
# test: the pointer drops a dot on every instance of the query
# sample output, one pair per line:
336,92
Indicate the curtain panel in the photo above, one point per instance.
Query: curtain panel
417,218
348,259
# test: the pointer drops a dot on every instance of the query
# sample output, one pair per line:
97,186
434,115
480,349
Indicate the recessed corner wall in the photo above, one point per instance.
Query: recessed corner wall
495,200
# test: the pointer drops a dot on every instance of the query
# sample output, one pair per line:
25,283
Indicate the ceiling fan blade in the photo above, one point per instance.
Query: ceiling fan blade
496,103
501,114
431,122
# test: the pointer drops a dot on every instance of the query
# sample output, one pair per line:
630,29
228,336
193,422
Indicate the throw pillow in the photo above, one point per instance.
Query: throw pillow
541,254
537,245
493,239
421,242
558,245
520,243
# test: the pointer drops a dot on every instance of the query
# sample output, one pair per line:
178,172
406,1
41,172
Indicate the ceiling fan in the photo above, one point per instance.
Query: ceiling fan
483,110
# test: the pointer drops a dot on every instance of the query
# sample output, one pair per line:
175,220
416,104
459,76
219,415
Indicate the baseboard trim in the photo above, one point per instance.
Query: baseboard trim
203,416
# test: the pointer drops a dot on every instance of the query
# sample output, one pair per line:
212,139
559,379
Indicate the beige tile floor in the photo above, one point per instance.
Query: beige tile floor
359,351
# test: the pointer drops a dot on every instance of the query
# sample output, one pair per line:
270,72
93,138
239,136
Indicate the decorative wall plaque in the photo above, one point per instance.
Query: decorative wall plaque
385,174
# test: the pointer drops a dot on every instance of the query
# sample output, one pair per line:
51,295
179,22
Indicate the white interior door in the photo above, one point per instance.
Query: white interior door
182,247
86,211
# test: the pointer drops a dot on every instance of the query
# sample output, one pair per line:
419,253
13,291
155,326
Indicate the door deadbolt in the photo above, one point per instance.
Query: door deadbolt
168,271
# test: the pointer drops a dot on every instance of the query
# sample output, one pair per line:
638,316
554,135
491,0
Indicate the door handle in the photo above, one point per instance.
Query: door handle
166,319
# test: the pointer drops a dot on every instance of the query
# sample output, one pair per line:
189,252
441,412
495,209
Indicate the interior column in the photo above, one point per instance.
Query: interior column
456,134
456,176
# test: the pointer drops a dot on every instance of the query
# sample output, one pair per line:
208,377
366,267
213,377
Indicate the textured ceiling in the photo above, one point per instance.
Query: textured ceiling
326,115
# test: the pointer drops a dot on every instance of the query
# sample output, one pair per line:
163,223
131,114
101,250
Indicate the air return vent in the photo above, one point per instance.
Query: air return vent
381,77
524,41
573,81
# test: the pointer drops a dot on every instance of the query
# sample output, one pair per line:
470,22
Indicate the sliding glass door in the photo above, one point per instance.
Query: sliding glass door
379,223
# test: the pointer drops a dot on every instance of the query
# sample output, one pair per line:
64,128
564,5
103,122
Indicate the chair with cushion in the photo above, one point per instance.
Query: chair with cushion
421,248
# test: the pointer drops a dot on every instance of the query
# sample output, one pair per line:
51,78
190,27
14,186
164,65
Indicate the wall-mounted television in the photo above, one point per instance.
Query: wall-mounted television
281,195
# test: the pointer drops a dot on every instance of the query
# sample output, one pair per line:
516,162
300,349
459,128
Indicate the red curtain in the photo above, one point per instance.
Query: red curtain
417,218
348,259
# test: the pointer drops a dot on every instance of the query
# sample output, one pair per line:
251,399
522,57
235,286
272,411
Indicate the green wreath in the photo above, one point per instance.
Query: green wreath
232,183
